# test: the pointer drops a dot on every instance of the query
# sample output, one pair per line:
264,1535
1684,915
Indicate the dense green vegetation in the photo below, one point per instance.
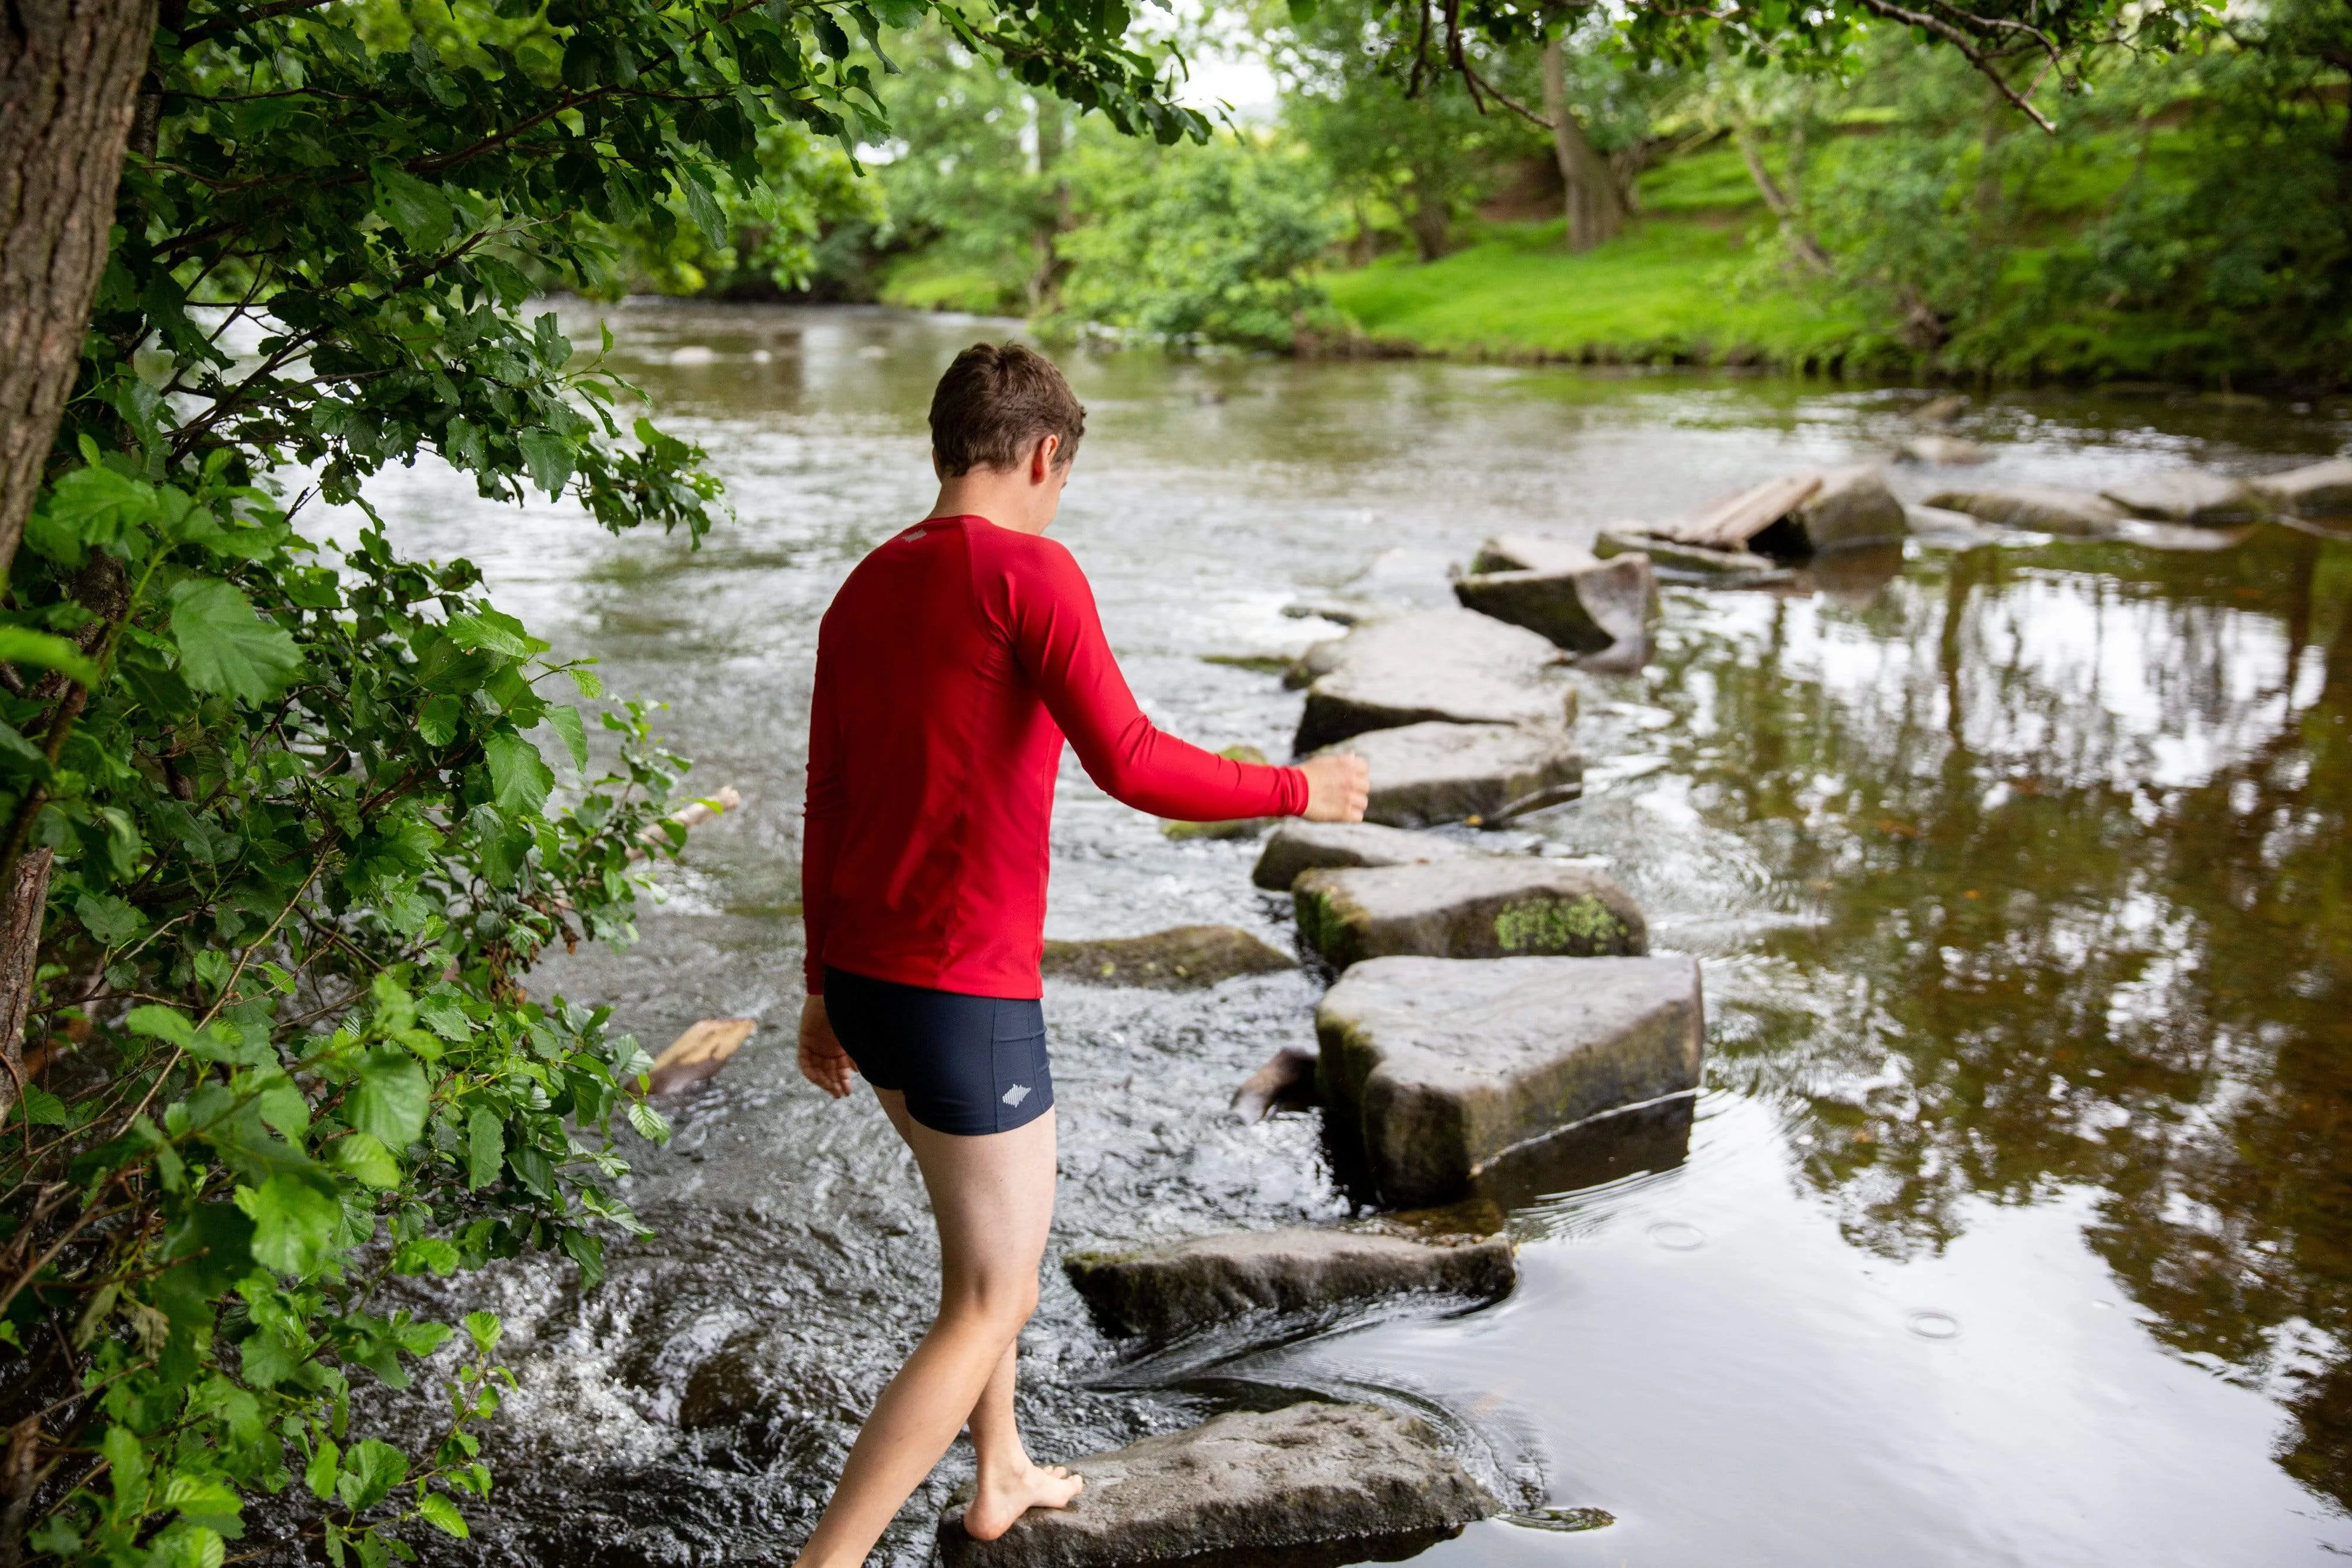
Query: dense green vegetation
2187,216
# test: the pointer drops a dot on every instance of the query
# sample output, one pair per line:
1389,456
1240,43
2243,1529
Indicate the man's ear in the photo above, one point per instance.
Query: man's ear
1041,461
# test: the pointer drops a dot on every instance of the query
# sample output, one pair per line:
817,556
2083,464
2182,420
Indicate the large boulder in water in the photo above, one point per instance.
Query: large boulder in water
1492,906
1573,599
1304,1477
1301,846
2320,490
1451,665
1435,772
1433,1068
1167,1292
2041,509
2188,495
1187,957
1854,506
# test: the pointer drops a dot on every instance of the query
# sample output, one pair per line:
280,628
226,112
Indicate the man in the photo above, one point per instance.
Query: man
950,667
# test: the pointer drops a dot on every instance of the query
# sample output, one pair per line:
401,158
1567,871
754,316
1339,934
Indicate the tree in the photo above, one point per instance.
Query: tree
308,817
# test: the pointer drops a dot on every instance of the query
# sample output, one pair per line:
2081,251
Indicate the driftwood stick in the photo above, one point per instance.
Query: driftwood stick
20,946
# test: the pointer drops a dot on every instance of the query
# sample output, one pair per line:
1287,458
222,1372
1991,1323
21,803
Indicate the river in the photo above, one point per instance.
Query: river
2014,1224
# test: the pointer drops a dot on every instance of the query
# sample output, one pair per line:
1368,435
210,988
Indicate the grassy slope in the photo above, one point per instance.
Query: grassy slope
1672,286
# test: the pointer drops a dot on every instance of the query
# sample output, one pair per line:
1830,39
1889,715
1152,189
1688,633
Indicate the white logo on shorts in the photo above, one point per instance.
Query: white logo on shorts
1017,1093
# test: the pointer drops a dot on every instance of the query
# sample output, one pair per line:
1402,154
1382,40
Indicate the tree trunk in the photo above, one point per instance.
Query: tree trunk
1431,218
1046,280
1595,212
69,78
20,946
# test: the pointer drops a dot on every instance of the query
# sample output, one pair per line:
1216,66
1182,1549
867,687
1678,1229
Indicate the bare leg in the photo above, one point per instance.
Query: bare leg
992,1197
1010,1483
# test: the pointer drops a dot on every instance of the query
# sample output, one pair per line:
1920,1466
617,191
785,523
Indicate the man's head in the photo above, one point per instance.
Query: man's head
996,404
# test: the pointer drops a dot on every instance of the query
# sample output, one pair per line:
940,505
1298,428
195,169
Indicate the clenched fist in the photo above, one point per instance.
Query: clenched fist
1337,789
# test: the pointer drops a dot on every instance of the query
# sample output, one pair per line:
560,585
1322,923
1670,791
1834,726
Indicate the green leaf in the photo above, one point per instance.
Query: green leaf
1302,12
489,632
363,1158
22,645
420,211
294,1223
589,682
109,920
437,721
325,1464
43,1109
391,1098
648,1123
566,722
549,457
520,778
225,647
442,1514
483,1329
166,1024
485,1146
370,1472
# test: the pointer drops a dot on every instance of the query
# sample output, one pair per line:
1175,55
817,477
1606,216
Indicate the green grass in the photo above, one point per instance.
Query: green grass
1669,288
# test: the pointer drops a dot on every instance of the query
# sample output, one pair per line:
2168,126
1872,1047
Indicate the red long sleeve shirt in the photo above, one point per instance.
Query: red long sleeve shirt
950,668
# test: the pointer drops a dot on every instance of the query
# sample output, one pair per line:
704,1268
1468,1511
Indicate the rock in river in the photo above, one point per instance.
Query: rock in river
1165,1291
1433,1068
1678,561
1584,605
1299,845
1251,1481
2321,490
1188,957
1451,665
2188,495
2044,508
1492,906
1425,773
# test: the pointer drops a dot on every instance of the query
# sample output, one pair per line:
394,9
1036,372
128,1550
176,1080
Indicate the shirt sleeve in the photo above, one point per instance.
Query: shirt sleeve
1057,635
820,824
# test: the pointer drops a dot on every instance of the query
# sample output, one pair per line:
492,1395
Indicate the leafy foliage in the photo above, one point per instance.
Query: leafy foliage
309,815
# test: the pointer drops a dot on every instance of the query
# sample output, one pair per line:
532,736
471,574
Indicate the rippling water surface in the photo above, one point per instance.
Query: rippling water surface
2015,1223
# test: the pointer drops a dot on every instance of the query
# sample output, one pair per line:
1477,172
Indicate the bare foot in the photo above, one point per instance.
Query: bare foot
1003,1498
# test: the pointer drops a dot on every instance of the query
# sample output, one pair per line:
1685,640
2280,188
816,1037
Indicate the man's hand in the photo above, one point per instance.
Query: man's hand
823,1061
1337,789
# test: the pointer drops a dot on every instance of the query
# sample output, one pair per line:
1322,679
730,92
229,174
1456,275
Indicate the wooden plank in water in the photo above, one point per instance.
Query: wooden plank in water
1731,522
699,1052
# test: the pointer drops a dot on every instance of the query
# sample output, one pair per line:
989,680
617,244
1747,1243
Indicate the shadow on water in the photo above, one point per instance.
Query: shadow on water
2015,1223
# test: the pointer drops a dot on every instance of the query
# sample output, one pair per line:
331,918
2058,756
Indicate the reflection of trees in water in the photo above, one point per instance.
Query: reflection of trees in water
2078,824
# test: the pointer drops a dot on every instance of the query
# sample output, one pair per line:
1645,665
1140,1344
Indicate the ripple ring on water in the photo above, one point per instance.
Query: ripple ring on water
1935,1325
1676,1237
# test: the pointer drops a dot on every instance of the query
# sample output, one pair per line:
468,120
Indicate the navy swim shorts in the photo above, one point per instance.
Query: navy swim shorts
967,1065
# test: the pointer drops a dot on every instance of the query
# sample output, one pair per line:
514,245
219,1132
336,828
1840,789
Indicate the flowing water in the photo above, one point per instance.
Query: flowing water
2012,1223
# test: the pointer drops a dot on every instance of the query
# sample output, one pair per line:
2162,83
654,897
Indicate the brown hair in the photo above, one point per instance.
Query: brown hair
996,402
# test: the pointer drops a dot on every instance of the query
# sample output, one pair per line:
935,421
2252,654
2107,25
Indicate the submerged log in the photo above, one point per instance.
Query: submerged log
696,1055
1309,1475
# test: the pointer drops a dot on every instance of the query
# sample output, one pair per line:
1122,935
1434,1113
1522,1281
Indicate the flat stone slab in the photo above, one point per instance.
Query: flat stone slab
1301,846
1164,1292
1434,1067
2188,495
1854,506
1304,1476
2321,490
1941,451
1493,906
1188,957
1435,772
1585,608
1450,665
2044,508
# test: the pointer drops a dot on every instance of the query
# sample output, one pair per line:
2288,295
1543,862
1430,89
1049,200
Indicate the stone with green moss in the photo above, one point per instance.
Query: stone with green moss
1188,957
1495,906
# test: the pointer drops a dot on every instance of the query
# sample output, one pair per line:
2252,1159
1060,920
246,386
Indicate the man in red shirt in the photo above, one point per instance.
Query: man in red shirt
952,666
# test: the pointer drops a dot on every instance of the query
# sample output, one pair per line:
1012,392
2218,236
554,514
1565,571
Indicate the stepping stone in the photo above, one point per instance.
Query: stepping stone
1671,560
696,1055
1450,665
1163,1292
1493,906
1300,846
1306,1476
2188,495
1435,772
1434,1067
1943,450
1854,506
1576,599
1188,957
2042,508
2321,490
